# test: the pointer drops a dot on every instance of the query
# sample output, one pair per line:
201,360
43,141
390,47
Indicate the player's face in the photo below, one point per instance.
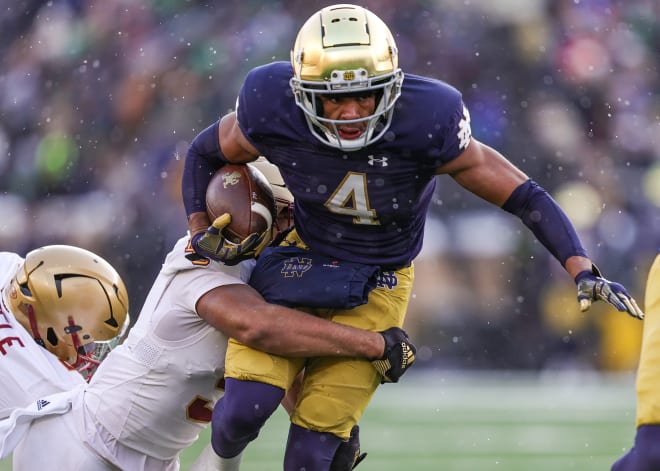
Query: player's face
284,219
348,107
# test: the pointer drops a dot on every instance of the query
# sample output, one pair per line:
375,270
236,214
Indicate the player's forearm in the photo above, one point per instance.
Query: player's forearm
306,335
203,159
240,312
198,222
575,265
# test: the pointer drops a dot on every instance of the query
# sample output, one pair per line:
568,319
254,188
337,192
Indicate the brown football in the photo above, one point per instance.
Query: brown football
242,191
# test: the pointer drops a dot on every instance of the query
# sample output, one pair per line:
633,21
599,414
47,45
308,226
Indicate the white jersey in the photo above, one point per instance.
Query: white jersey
27,370
156,391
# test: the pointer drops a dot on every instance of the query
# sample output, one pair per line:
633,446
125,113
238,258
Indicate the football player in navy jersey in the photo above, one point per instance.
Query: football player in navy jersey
359,144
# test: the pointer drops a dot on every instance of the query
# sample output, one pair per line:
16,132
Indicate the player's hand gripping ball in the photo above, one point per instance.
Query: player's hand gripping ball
240,202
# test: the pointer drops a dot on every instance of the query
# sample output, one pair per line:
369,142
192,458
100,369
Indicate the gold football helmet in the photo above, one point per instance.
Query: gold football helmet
345,49
72,302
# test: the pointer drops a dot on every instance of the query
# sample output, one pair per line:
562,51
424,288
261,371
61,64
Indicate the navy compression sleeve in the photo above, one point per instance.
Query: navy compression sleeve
543,216
203,159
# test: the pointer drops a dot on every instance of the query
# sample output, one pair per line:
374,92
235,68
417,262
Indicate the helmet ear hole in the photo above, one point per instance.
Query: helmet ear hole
25,290
51,336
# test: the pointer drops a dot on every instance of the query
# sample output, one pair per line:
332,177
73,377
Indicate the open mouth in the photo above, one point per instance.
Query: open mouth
349,132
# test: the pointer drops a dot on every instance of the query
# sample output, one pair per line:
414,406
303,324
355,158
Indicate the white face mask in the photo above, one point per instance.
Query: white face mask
306,93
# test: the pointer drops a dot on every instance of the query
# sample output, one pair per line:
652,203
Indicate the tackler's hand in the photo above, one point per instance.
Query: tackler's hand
212,243
399,355
591,286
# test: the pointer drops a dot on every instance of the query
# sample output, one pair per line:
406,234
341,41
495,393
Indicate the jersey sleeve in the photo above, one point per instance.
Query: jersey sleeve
454,121
9,264
430,120
458,132
193,281
196,282
266,109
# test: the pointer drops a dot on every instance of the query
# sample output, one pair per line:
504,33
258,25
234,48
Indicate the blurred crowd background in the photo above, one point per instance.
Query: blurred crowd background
99,100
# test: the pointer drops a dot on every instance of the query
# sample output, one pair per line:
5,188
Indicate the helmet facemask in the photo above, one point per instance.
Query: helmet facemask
387,89
91,354
345,49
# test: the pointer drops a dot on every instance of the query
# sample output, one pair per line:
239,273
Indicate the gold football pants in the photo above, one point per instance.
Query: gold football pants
336,390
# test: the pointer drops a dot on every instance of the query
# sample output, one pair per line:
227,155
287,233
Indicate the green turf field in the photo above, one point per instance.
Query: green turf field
496,421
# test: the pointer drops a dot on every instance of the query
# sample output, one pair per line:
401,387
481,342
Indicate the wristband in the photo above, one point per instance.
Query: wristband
595,271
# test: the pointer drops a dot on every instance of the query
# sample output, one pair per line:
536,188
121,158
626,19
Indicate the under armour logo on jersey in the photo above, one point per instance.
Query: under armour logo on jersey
41,403
295,266
377,161
387,279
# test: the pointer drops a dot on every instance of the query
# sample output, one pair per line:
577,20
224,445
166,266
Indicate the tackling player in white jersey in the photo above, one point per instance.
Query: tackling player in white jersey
155,393
73,303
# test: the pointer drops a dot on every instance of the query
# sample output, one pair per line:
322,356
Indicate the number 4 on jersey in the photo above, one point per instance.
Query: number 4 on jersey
351,199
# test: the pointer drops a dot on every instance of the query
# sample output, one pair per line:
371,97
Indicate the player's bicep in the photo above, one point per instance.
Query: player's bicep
228,307
485,172
235,146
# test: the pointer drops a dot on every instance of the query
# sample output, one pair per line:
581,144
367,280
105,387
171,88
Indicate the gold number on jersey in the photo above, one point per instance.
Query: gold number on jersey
351,199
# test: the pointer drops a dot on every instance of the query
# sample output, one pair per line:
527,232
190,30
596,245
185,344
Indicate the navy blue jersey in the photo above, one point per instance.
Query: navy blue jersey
368,205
